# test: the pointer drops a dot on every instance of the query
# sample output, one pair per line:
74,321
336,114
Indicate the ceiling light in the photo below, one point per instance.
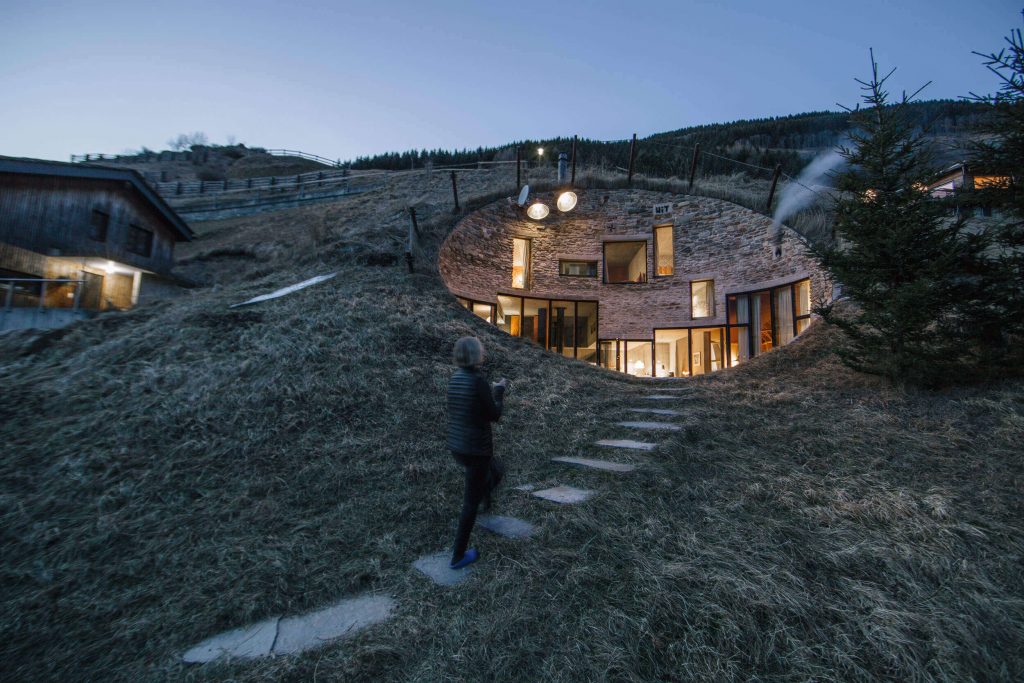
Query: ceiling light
538,211
566,201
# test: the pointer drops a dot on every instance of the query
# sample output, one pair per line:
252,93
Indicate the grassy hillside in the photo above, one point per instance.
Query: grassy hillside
185,468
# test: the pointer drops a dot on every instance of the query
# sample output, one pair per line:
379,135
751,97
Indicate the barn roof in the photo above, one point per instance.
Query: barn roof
94,172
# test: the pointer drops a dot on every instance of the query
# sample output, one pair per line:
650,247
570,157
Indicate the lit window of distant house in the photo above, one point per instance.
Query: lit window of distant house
663,250
577,268
520,263
98,226
625,262
702,299
140,241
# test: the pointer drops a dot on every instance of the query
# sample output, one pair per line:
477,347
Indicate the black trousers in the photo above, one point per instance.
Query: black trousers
483,474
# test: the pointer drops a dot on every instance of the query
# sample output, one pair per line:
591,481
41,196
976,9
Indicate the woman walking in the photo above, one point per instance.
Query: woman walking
473,404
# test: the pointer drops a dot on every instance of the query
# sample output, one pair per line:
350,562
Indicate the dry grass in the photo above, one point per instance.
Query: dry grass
184,468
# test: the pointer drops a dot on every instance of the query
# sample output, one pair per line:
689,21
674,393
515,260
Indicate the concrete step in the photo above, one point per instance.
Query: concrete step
664,426
605,465
627,443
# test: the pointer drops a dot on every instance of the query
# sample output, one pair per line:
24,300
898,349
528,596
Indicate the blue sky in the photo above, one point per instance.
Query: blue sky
343,79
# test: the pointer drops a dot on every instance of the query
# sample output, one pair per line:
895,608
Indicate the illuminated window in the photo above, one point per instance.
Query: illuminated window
609,354
577,268
803,305
625,262
520,263
638,358
672,353
663,250
508,314
702,299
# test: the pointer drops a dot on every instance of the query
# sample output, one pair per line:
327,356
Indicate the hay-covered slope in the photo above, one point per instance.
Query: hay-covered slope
186,468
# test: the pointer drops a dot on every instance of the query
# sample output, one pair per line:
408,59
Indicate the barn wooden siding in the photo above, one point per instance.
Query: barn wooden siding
52,215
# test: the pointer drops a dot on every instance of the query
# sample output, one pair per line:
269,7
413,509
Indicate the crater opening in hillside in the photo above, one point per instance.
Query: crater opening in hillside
692,289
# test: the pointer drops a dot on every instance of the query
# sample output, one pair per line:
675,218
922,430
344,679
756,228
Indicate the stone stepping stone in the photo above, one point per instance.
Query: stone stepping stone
509,527
247,642
298,634
525,487
290,635
674,389
657,411
668,426
597,464
436,568
627,443
664,397
565,495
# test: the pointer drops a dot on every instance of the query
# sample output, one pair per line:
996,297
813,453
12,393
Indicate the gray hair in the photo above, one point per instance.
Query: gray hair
469,352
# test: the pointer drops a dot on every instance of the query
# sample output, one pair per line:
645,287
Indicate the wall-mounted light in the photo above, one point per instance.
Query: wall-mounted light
538,211
566,201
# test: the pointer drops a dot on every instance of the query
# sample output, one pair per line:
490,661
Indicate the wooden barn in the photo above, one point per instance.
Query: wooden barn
78,238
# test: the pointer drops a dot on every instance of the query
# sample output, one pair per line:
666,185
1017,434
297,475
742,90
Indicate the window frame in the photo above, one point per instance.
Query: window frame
604,262
672,245
95,234
570,260
130,244
528,266
712,308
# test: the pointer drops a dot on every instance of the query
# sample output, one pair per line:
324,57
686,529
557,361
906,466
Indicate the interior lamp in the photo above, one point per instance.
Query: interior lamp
638,366
566,201
538,211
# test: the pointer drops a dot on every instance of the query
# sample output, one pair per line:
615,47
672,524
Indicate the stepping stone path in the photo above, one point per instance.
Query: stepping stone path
664,397
565,495
627,443
285,636
657,411
509,527
667,426
597,464
437,570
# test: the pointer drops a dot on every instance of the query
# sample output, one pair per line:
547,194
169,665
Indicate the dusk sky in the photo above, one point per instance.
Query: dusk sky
342,79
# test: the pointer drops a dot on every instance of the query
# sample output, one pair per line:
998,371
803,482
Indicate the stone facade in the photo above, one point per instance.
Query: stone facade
713,240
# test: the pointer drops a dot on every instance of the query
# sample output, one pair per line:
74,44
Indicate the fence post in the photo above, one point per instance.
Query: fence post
771,192
573,181
414,229
455,191
78,294
632,156
202,186
519,168
42,295
693,164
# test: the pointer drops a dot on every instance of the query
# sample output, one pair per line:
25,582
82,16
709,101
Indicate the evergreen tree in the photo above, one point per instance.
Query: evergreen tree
1000,154
910,270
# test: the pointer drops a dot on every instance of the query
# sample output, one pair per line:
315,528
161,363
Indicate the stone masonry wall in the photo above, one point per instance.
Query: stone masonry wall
714,240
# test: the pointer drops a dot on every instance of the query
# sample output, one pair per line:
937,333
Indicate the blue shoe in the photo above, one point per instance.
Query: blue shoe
469,558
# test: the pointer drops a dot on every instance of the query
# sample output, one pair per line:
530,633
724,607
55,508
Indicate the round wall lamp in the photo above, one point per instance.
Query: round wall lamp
566,201
538,211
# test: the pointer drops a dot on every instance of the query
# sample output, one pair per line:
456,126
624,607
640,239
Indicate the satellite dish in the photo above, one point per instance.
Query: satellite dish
523,194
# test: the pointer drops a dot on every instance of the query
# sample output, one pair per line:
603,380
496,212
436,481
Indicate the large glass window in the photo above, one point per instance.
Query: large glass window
509,314
672,353
563,328
577,268
706,350
761,322
803,305
610,355
702,299
739,328
520,263
783,315
478,308
586,331
638,358
535,321
663,250
625,262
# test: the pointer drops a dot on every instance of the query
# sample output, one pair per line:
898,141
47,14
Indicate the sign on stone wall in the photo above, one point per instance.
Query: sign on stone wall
662,209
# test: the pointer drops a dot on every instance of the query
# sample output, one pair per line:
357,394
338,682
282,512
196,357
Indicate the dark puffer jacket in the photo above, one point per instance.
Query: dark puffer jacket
471,410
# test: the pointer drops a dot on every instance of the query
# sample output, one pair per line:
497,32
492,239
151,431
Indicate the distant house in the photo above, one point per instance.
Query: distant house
962,178
76,239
